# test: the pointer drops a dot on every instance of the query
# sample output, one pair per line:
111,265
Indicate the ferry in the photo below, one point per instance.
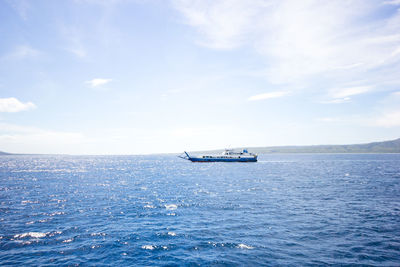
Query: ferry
227,156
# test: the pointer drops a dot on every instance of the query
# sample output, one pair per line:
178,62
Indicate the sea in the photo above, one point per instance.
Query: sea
284,210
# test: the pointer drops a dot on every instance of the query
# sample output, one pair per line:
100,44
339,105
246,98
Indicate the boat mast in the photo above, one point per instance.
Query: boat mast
187,154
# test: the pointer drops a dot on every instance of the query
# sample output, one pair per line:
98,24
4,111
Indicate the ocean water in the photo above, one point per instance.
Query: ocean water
287,209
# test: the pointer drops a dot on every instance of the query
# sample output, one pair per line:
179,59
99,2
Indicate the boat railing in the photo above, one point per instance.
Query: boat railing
184,155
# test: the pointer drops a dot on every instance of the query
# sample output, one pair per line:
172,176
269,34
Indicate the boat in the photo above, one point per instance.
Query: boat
228,155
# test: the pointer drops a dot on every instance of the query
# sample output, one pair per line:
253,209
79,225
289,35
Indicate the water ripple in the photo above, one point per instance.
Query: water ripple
306,209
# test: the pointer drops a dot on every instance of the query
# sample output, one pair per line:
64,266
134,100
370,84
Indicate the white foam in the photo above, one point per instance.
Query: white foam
54,233
149,247
59,200
243,246
96,234
68,240
29,201
171,233
149,207
56,213
171,207
31,234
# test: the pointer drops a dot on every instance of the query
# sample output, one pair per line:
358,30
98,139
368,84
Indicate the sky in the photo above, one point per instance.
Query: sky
156,76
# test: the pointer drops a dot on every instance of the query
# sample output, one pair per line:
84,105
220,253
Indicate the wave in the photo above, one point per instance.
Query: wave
243,246
171,207
31,234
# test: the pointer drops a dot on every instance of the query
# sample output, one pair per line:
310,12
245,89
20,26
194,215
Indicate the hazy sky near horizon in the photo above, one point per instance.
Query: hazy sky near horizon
147,76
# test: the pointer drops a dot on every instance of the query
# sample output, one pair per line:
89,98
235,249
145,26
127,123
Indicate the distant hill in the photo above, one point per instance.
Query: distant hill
375,147
4,153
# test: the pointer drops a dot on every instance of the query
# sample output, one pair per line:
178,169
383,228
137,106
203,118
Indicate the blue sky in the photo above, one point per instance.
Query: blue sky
142,76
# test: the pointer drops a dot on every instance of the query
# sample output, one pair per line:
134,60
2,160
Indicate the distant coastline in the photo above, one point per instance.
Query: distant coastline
392,146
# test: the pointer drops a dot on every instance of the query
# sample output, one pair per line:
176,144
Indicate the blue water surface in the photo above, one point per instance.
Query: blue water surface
286,209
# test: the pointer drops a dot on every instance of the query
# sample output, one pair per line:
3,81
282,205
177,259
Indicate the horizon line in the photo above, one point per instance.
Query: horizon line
3,153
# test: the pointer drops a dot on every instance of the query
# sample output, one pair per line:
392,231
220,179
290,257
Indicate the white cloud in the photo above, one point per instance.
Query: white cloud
389,119
337,100
350,91
98,82
392,2
85,40
26,139
74,40
223,24
268,95
12,104
22,52
396,93
301,38
329,119
388,112
77,50
343,95
207,137
21,7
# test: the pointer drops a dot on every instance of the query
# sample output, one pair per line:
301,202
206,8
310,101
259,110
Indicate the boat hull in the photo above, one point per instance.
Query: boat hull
227,156
252,159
